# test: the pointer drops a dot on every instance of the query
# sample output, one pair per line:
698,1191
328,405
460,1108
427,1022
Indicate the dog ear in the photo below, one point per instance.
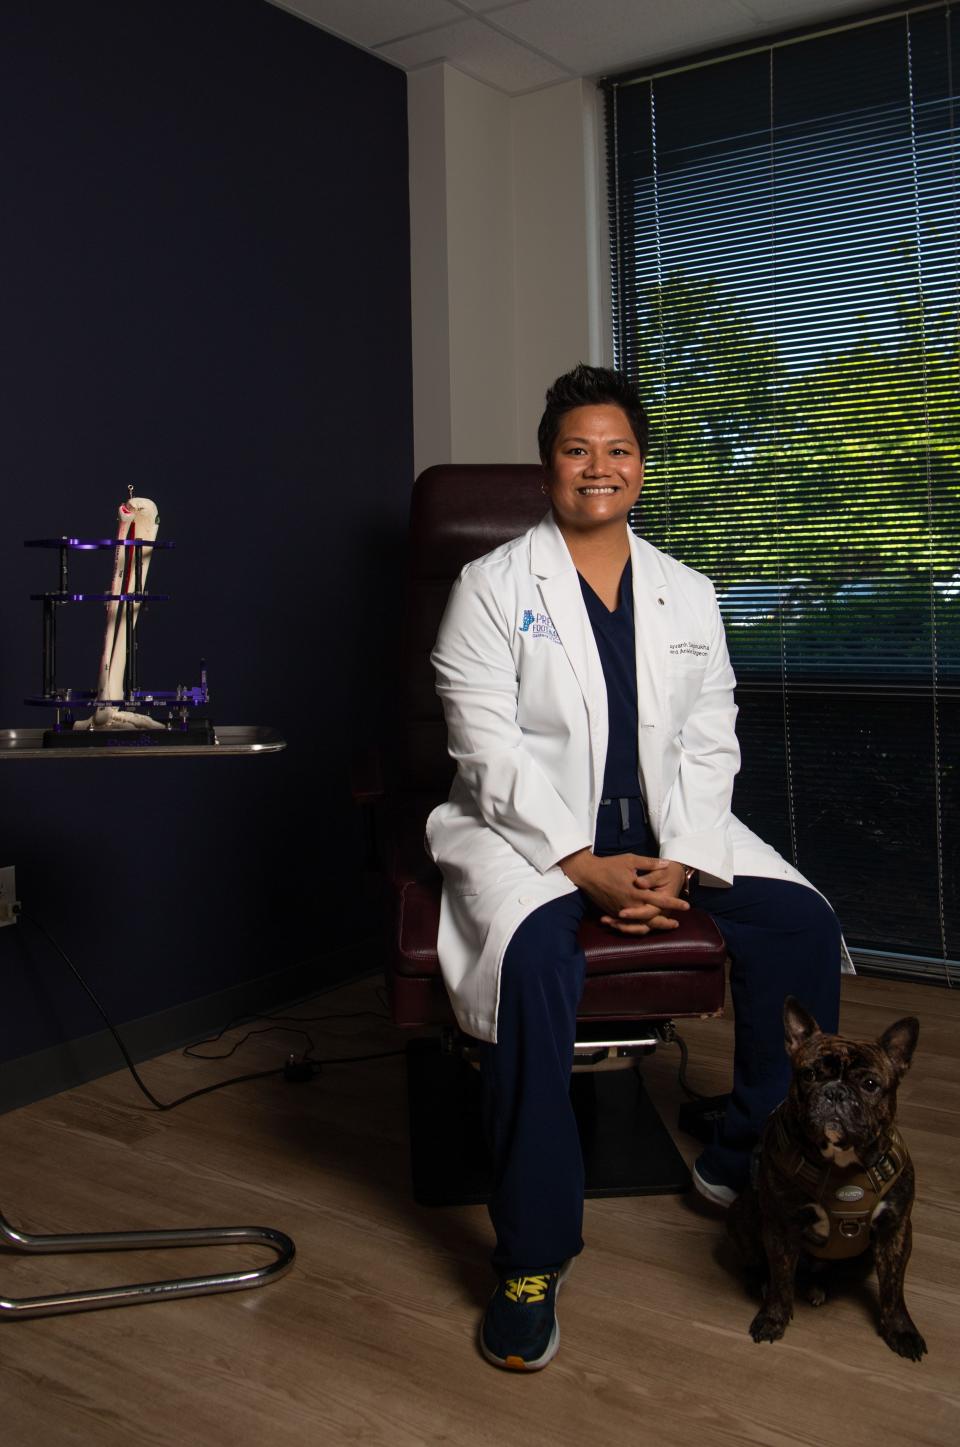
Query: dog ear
899,1041
798,1025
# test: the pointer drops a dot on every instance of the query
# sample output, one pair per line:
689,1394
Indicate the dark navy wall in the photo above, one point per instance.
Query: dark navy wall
205,265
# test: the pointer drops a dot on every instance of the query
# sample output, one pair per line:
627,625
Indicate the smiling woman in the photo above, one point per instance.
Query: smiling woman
593,479
593,441
588,699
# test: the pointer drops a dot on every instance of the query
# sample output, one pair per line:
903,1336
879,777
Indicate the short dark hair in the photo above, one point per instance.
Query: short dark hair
590,387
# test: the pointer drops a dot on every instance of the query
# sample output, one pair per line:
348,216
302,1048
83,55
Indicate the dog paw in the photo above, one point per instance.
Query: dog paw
767,1327
906,1341
816,1295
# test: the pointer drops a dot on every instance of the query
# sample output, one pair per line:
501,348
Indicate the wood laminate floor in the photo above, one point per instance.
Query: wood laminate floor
371,1338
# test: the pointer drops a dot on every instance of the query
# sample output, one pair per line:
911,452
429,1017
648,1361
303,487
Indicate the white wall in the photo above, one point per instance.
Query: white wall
507,259
480,275
558,211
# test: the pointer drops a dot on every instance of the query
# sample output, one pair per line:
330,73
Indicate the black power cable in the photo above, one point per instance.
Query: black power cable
289,1023
700,1114
292,1069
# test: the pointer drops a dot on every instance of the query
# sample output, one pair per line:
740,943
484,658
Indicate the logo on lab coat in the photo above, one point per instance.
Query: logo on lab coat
538,625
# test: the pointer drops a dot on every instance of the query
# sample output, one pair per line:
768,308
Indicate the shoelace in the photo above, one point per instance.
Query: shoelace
526,1288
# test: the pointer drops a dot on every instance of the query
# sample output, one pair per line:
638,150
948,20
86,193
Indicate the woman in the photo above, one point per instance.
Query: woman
588,698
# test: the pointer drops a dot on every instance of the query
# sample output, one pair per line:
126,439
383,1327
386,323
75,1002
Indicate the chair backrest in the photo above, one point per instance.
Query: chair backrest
457,513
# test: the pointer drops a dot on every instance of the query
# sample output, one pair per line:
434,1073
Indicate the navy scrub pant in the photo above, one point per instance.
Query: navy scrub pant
782,938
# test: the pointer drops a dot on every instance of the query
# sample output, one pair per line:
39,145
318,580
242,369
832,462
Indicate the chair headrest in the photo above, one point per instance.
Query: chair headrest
460,512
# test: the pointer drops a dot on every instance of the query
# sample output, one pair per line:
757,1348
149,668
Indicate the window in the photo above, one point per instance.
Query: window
785,279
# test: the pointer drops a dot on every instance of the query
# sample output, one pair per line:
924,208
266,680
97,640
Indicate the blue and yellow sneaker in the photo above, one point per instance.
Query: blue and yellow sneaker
520,1330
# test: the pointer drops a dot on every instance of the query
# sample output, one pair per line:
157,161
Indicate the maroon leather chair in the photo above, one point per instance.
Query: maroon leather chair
634,986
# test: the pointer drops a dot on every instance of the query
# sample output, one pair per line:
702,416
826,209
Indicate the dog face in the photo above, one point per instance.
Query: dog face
843,1096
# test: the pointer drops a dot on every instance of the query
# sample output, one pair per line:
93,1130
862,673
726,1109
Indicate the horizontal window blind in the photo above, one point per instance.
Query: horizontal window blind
785,281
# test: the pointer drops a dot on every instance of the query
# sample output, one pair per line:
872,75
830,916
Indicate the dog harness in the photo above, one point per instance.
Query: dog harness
848,1195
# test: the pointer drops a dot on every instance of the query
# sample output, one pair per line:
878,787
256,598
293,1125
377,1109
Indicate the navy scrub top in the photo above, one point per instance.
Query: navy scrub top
615,643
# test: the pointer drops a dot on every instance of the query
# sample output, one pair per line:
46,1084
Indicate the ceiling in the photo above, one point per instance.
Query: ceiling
523,45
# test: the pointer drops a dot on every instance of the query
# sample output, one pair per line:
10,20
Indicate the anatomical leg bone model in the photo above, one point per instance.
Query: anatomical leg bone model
136,518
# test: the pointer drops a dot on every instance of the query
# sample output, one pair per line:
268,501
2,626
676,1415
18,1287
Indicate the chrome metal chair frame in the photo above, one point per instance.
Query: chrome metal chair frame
138,1293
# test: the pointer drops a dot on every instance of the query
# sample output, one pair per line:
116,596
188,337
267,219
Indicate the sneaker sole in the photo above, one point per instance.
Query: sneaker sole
517,1364
715,1193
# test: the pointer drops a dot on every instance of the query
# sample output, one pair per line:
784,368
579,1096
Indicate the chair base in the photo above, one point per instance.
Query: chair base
627,1150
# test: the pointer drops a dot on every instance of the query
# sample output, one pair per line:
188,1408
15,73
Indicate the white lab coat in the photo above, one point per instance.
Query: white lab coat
523,693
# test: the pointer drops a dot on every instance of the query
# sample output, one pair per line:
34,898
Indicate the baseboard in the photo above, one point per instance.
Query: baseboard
74,1062
890,965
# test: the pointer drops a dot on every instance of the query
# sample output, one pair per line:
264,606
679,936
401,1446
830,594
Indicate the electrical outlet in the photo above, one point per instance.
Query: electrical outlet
9,904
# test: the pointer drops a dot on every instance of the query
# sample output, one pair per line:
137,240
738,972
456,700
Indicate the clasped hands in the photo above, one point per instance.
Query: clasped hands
634,891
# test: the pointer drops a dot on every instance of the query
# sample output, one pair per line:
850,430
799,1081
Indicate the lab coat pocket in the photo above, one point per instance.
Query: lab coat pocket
684,681
545,680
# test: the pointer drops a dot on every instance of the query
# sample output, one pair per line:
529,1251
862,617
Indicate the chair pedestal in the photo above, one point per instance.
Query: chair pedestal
627,1150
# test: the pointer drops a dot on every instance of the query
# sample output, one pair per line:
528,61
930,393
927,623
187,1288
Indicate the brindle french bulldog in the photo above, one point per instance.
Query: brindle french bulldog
834,1178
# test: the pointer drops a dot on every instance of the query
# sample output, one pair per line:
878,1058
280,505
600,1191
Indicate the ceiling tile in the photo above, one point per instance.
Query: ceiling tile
479,51
521,45
774,15
481,7
372,22
611,35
